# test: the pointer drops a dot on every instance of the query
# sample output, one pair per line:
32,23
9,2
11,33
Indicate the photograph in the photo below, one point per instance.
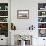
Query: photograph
22,14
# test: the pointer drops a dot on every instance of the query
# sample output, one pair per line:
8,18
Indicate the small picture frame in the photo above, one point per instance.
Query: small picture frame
22,14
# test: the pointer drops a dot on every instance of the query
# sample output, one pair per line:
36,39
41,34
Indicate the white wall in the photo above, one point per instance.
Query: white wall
23,24
32,6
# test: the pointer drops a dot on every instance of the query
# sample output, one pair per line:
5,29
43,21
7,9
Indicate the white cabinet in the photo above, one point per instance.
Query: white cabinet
41,41
3,40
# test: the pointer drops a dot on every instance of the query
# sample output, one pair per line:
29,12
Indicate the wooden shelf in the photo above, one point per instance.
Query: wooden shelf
42,10
41,28
3,16
3,22
41,22
42,16
3,10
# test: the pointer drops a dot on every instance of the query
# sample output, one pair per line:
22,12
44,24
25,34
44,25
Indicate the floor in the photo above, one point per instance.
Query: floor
3,45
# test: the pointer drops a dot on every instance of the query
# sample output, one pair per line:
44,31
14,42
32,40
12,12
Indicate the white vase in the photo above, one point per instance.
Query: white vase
22,43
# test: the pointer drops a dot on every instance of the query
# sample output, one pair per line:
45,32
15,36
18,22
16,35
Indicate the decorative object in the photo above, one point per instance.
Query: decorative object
41,6
3,19
6,7
42,32
4,29
23,40
13,27
22,43
31,27
3,13
43,13
42,19
22,14
42,25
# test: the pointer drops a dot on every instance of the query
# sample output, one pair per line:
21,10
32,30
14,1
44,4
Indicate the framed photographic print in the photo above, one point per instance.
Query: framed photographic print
22,14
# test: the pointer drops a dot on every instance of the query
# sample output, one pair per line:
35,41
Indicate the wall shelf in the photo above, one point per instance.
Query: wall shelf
3,22
3,10
3,16
42,19
41,22
41,28
42,16
41,10
4,19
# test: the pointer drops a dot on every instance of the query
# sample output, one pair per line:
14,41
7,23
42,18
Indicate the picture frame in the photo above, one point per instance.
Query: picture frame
22,14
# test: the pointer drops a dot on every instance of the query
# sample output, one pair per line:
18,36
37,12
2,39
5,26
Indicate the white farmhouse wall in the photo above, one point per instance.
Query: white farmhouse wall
23,24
